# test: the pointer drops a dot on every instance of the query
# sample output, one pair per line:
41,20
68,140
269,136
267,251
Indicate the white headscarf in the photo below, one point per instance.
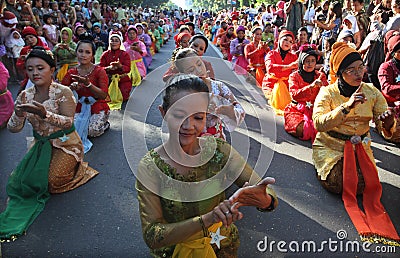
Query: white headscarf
11,41
354,26
117,35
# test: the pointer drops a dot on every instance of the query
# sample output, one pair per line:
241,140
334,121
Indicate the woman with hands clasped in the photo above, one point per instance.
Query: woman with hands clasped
279,65
237,45
64,53
304,85
90,82
136,50
172,224
54,164
255,52
117,63
342,112
225,109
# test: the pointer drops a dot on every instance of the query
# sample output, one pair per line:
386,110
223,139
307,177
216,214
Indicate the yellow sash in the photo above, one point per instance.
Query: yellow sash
280,97
197,246
115,93
62,72
134,73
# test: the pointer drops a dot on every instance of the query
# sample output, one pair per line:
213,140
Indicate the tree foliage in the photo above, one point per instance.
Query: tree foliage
213,5
149,3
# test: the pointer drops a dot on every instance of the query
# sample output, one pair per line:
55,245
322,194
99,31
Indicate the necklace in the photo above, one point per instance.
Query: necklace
85,72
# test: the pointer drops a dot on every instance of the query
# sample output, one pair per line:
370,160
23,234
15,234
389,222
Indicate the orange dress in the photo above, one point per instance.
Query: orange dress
275,82
256,57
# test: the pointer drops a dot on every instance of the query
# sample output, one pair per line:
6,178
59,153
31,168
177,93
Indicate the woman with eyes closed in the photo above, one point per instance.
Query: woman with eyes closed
224,104
54,164
90,82
182,225
342,153
199,44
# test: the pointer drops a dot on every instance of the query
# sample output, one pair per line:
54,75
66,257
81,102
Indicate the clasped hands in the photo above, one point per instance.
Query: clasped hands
227,110
22,107
228,212
78,82
263,45
114,65
135,47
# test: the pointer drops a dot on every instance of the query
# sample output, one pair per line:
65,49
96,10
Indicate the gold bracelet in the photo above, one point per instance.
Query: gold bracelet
205,230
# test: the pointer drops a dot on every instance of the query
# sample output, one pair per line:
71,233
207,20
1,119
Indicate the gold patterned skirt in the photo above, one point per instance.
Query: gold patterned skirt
67,170
334,180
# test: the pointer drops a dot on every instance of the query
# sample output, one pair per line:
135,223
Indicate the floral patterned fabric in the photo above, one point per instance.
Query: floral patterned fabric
214,123
165,221
64,174
98,123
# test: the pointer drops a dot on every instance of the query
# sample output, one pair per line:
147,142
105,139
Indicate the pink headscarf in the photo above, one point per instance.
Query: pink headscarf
129,41
280,5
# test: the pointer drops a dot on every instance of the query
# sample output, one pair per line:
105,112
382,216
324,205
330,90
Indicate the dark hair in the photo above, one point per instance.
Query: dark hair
331,41
302,29
45,17
183,27
182,82
86,38
337,10
191,24
321,17
42,53
397,3
360,1
199,36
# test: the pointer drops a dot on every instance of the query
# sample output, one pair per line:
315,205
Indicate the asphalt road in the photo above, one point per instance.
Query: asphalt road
101,218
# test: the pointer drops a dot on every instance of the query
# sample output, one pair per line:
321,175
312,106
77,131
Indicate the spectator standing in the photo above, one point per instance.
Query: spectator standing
362,18
310,15
295,14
